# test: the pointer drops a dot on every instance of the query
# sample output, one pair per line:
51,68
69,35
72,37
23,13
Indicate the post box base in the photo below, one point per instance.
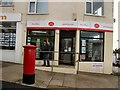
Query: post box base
28,78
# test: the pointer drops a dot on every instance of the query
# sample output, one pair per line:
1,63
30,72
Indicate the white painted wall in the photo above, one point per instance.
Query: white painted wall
18,50
116,33
56,47
108,52
88,67
8,55
77,49
119,24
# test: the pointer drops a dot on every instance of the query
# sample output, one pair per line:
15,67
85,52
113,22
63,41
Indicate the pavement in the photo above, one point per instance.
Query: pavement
116,70
12,73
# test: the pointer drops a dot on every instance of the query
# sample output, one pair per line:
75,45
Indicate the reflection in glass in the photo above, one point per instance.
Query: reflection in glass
83,49
95,7
83,42
37,37
98,7
67,45
93,49
88,7
32,7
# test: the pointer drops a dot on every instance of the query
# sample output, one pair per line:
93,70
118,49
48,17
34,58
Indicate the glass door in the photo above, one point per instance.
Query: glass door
66,51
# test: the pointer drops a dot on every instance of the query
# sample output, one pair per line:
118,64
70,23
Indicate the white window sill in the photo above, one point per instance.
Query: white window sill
6,5
38,13
87,14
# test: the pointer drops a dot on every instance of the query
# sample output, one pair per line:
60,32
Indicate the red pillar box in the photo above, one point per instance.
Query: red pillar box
29,64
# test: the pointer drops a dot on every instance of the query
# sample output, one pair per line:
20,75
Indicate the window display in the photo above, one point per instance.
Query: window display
8,35
37,37
92,46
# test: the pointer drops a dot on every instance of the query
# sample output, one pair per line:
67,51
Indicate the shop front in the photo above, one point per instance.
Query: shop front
10,37
85,45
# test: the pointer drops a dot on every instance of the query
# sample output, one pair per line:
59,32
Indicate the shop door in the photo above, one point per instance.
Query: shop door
67,48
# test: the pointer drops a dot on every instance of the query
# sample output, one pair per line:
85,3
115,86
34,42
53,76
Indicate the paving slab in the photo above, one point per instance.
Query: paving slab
55,87
57,80
56,83
97,80
70,81
43,75
58,76
11,72
41,84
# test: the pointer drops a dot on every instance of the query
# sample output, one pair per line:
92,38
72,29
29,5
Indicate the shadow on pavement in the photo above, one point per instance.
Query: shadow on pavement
10,85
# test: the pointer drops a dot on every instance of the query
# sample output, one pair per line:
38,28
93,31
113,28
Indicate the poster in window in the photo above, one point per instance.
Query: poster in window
83,49
83,42
83,57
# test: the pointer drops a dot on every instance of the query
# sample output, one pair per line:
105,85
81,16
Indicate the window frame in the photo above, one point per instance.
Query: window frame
92,13
91,38
35,8
8,5
29,6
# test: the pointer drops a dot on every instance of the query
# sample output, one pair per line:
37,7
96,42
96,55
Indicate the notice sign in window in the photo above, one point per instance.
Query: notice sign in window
97,65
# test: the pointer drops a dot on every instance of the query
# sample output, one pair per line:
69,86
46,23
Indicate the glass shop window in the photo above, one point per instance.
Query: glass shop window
92,46
7,35
37,37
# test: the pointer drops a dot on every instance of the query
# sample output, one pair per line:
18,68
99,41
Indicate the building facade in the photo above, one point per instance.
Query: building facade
118,28
116,38
116,33
79,33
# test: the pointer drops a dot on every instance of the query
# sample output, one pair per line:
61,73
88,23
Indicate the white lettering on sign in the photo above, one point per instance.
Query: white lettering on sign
97,65
67,24
108,27
35,23
83,24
